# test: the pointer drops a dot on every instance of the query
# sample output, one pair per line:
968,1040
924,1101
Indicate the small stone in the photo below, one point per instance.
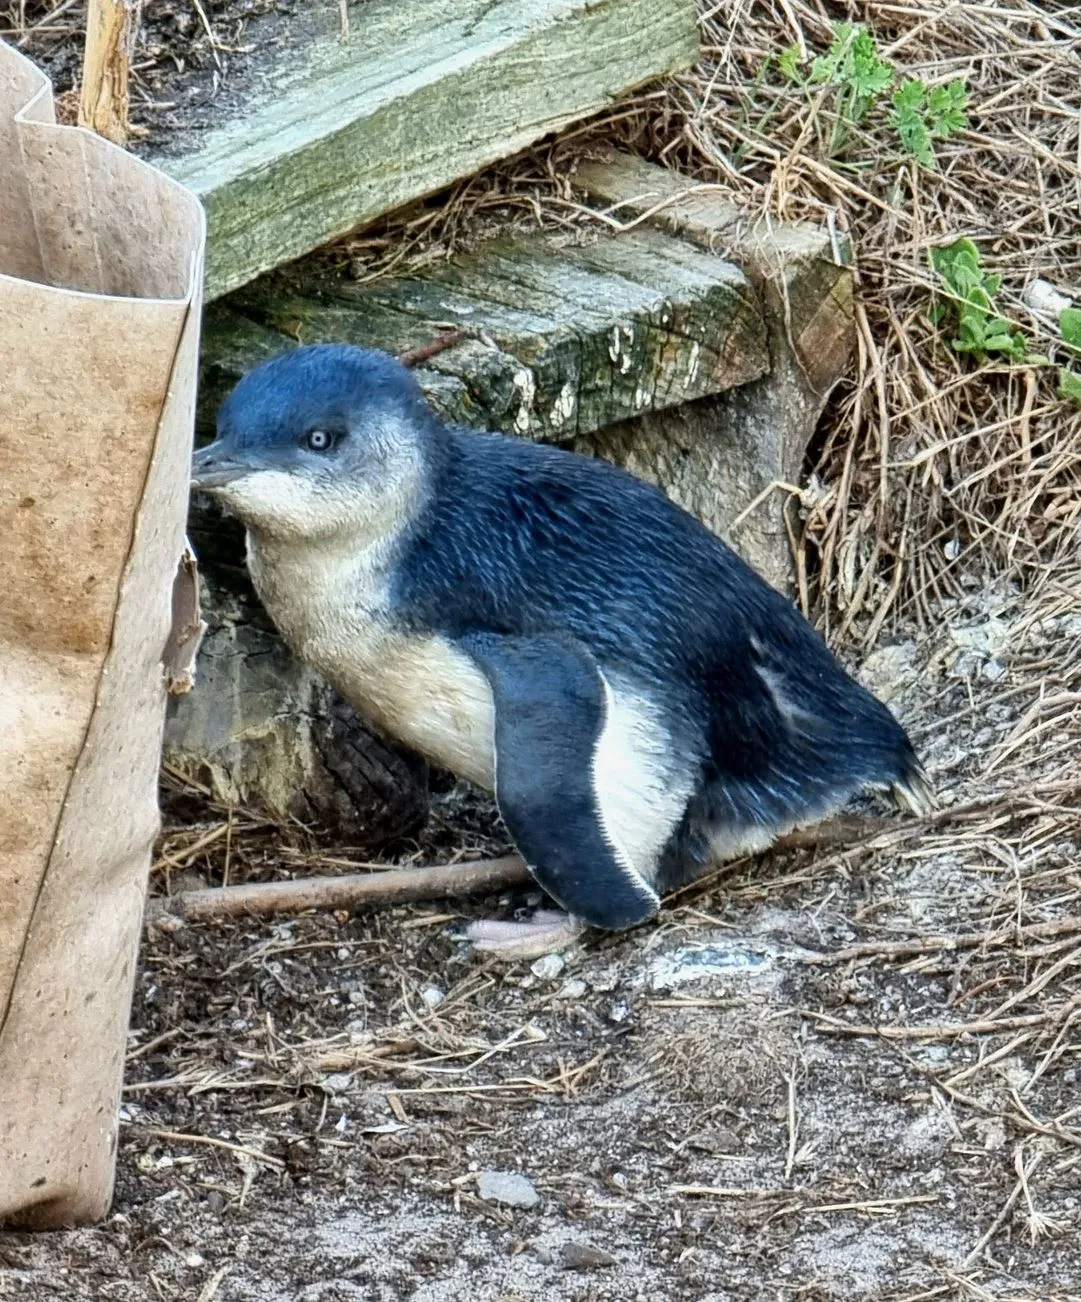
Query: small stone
723,1140
215,1202
573,989
1044,298
548,967
508,1188
432,996
338,1082
584,1256
194,1260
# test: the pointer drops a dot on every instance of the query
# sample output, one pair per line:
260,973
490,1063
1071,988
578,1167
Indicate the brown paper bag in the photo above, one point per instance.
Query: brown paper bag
100,284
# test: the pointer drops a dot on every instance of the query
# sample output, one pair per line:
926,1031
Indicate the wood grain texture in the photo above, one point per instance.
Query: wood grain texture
565,337
741,448
103,97
413,98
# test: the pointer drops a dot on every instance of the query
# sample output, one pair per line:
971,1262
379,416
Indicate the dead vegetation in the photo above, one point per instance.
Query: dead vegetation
850,1073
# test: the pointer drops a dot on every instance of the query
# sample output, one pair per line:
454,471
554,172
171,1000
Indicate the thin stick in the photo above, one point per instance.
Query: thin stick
398,886
793,1125
261,899
424,352
1003,1216
242,1150
936,944
940,1030
103,100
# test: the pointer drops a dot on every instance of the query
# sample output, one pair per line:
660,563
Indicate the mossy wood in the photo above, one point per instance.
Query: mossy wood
563,337
417,95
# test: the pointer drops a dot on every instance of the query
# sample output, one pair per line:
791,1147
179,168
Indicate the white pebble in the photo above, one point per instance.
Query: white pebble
548,967
508,1188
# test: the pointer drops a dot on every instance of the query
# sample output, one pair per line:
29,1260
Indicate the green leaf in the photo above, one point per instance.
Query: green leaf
973,338
825,70
909,98
1069,324
915,138
868,74
788,64
1069,386
946,109
960,252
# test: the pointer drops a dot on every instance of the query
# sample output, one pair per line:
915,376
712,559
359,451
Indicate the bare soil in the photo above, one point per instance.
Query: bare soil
732,1103
193,63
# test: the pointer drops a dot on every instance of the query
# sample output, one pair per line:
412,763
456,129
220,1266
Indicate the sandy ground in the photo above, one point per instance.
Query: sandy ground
851,1074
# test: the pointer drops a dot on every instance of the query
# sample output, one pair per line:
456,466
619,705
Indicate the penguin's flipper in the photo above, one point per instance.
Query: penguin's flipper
551,704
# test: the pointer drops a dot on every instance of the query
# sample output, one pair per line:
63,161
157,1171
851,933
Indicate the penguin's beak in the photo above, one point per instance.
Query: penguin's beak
214,467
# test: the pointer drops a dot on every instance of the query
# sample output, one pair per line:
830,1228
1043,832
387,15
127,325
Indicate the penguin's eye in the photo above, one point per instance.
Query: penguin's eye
319,440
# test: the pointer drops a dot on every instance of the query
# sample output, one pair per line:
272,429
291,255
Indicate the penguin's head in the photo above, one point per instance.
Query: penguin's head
319,441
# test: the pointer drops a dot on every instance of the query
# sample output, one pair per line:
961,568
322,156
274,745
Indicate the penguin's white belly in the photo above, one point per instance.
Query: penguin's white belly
331,608
424,692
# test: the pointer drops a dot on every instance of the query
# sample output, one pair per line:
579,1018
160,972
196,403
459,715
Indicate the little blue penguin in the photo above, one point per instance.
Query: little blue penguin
640,702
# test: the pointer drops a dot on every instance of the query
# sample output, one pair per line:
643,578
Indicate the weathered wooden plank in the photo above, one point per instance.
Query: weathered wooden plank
805,265
565,338
728,459
416,96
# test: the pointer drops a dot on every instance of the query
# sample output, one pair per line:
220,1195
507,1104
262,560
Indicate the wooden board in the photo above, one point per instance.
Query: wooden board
565,336
718,458
801,271
418,94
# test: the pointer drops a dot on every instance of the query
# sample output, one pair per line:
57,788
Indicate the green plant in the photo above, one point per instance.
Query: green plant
1069,325
923,114
788,65
1069,382
852,65
981,329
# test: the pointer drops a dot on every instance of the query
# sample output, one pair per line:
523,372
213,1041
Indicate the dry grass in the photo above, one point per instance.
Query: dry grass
921,449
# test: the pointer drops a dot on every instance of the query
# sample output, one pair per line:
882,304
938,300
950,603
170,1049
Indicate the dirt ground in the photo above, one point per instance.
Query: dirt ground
193,64
848,1074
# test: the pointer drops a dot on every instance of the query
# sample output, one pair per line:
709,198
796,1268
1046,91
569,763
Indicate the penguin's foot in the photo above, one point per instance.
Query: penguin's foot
546,932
